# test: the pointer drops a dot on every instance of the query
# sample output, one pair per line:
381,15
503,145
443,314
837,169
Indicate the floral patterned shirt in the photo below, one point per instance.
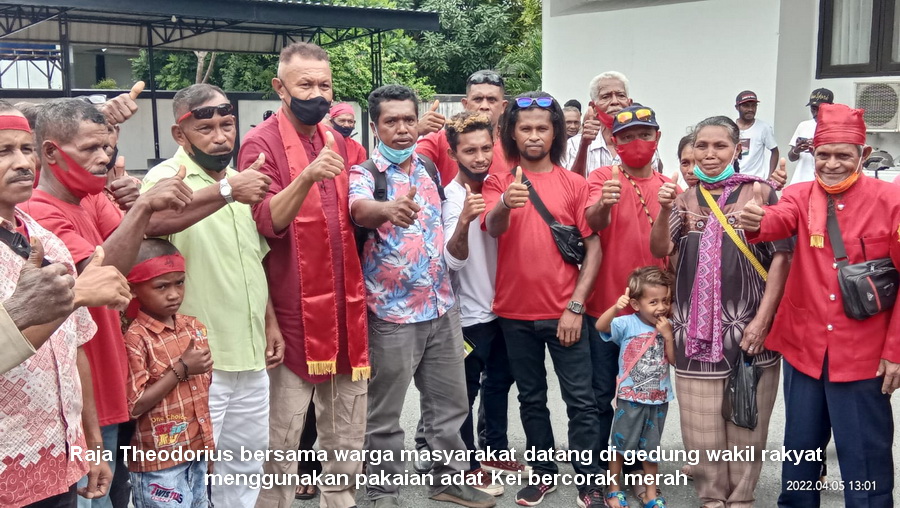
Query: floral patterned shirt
406,278
40,399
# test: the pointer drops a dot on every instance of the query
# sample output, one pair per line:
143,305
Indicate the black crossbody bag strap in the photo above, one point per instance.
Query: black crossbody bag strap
834,236
538,204
18,243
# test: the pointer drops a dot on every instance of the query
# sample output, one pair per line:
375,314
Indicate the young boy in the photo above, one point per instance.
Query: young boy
643,387
168,384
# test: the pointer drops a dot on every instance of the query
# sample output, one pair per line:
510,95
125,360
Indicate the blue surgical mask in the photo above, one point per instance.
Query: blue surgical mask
727,173
394,155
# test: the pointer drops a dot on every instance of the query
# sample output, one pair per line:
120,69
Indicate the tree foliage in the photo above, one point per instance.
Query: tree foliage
490,34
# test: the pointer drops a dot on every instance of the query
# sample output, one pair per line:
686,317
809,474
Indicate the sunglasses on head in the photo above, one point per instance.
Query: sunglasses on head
207,112
486,77
642,115
542,102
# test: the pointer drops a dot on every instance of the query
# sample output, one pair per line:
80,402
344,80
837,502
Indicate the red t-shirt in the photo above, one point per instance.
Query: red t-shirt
75,226
626,240
533,281
435,146
356,153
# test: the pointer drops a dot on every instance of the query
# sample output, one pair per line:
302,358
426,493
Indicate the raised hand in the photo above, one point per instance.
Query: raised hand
753,212
123,188
668,192
100,286
624,300
122,107
327,165
197,360
612,189
473,206
591,126
250,186
403,210
780,173
431,121
169,193
42,294
516,194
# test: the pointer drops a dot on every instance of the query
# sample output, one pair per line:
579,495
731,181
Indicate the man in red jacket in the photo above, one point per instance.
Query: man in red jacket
838,372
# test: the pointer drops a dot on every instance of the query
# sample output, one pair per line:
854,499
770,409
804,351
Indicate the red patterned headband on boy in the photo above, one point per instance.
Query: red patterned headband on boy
154,267
14,122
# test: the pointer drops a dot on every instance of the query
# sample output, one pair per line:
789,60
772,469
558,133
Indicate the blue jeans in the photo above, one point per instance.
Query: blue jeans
859,416
489,357
182,485
110,434
525,344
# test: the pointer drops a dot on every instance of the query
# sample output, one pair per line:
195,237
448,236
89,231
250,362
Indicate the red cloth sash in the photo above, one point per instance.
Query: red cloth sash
317,284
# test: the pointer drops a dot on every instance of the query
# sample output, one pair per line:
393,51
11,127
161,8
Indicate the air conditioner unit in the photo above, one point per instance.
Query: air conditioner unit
881,100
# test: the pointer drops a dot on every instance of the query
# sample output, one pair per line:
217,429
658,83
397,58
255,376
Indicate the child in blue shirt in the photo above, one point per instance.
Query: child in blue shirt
643,387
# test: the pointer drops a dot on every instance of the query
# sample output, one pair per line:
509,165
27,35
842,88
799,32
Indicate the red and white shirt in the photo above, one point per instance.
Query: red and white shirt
40,399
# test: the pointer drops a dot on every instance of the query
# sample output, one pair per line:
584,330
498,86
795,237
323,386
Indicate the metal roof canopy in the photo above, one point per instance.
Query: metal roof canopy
233,26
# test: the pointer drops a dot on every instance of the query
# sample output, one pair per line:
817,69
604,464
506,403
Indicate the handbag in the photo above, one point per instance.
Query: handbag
867,288
568,239
739,403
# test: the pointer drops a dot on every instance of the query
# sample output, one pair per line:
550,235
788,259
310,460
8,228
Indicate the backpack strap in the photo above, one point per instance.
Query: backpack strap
380,191
432,171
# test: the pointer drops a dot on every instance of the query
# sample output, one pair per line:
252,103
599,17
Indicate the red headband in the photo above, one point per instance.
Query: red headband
340,108
839,123
154,267
14,122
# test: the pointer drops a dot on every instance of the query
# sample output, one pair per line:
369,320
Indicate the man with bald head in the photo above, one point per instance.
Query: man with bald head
242,340
314,273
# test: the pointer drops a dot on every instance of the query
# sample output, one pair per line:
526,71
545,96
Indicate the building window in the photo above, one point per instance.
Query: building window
859,38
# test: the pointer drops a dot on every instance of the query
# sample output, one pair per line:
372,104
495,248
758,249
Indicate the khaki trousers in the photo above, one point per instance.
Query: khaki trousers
340,422
724,483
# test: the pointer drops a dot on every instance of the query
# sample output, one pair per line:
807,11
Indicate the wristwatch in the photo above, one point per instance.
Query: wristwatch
225,190
576,307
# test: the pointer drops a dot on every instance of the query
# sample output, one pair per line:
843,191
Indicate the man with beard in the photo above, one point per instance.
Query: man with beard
594,147
243,338
756,138
72,137
485,91
529,263
344,121
314,276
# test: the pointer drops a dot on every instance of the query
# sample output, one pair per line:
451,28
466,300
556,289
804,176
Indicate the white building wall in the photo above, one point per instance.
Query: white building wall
687,61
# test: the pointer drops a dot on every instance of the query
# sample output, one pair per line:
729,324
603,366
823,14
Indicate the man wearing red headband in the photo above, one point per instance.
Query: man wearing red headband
344,121
47,411
838,372
72,136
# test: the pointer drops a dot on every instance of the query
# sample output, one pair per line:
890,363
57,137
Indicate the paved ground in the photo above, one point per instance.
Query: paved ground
677,496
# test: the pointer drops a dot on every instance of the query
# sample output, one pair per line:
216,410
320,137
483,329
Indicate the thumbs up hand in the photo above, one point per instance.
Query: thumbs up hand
668,192
403,210
42,294
753,211
168,194
196,358
327,165
124,189
624,300
472,208
123,106
431,121
100,286
779,176
516,194
612,189
590,126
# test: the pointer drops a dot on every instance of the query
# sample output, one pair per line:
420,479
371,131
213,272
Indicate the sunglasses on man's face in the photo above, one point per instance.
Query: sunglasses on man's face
207,112
626,117
542,102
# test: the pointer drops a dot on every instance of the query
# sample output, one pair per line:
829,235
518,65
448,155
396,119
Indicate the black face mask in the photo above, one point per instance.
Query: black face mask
344,131
478,177
310,111
215,163
112,158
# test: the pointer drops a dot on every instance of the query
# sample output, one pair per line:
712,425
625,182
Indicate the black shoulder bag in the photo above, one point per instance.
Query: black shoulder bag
568,238
867,288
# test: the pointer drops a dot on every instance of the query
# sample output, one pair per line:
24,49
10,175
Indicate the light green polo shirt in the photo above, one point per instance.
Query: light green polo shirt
225,285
